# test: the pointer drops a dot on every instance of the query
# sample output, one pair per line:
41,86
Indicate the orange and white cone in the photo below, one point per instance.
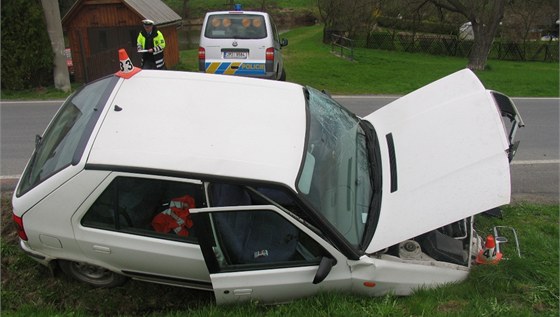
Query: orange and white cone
489,254
127,69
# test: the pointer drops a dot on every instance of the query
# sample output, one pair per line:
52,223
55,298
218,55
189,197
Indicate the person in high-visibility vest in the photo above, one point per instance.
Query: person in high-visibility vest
151,43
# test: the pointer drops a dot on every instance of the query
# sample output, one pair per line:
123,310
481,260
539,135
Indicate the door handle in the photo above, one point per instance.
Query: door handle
101,249
242,291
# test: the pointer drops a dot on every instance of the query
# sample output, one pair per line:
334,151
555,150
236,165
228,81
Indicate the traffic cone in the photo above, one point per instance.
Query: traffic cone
488,254
127,69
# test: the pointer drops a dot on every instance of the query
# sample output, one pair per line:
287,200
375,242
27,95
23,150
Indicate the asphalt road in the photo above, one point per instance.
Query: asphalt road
535,169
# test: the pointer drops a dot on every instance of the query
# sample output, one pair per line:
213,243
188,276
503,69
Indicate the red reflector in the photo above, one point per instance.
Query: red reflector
270,54
369,284
201,53
19,227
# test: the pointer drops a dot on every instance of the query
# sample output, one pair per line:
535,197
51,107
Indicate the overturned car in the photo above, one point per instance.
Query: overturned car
263,190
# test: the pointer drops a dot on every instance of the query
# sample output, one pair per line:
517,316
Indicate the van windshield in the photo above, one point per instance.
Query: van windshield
65,139
235,26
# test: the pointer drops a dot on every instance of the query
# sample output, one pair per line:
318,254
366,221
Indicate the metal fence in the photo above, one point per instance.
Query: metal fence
342,46
453,46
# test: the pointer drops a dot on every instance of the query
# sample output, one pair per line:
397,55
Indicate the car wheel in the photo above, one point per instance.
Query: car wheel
92,274
283,75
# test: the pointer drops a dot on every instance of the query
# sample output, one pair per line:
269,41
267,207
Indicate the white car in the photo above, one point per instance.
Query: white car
264,190
241,43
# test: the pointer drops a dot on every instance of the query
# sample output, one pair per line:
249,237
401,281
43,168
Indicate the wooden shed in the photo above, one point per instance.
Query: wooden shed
97,29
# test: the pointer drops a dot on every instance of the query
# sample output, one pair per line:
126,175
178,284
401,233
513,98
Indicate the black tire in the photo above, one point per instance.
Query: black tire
92,274
283,75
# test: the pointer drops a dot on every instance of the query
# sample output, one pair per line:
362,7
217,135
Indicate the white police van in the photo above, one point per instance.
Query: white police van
243,43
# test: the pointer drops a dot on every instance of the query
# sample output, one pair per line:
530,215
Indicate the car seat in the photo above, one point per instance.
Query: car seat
251,236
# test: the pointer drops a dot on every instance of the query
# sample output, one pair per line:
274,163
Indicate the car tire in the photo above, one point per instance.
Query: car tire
283,75
92,274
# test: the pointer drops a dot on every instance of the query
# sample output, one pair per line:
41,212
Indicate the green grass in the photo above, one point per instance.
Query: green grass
526,286
41,93
310,62
384,72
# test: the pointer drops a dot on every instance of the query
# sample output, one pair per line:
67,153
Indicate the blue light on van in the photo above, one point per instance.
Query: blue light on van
237,7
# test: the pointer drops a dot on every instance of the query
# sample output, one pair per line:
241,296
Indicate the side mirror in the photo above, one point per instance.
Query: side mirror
324,269
283,42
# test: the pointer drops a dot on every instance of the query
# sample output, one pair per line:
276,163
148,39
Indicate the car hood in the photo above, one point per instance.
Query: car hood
444,158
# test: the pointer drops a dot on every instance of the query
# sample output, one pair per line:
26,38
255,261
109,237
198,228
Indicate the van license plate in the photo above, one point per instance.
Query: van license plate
236,55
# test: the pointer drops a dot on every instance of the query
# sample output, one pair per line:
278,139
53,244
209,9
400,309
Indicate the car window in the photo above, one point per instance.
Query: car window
274,31
263,239
224,195
65,139
235,26
144,206
263,236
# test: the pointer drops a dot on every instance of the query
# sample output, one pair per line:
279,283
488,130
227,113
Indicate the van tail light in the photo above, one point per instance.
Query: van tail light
19,227
201,53
270,54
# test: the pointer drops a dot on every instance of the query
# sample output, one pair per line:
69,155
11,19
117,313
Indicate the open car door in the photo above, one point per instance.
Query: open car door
260,253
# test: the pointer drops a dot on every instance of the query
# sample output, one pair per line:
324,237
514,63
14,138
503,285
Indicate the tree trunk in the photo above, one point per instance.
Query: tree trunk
485,17
54,28
481,48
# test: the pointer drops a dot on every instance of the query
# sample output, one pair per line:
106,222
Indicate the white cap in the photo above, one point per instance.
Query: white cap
148,22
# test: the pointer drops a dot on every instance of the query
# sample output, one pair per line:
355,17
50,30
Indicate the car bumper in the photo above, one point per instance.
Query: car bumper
37,256
267,75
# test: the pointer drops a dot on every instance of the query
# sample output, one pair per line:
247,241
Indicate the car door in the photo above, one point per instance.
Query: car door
127,225
261,253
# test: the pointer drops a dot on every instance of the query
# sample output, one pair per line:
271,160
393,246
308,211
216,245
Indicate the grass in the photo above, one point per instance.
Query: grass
40,93
310,62
526,286
384,72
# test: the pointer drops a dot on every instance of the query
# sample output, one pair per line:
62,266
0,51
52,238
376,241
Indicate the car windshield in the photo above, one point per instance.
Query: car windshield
66,137
235,26
336,177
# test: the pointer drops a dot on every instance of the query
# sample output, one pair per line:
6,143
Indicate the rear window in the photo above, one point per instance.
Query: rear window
66,137
235,26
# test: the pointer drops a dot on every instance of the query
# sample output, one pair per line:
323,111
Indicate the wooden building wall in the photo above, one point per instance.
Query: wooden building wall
96,31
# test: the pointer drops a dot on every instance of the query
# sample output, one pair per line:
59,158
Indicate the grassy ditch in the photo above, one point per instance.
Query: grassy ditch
526,286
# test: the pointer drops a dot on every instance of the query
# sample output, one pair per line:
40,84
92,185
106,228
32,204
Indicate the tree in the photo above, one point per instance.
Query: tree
186,9
485,17
522,18
54,28
26,53
346,16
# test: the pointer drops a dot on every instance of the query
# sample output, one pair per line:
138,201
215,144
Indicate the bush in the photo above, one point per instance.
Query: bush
418,26
27,57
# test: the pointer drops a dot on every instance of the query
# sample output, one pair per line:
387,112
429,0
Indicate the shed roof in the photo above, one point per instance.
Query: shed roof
155,10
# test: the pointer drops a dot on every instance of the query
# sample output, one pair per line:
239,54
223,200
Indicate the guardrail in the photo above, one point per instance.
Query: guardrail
341,45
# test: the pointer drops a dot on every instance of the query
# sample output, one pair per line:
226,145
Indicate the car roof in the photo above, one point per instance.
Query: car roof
237,12
207,124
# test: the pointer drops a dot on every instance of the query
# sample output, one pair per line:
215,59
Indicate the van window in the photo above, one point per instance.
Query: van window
149,207
235,26
66,137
